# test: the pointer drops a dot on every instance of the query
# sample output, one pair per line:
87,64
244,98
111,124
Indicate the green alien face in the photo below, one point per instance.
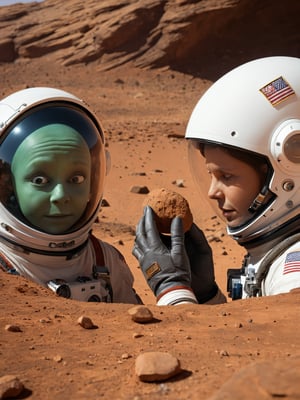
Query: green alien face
52,175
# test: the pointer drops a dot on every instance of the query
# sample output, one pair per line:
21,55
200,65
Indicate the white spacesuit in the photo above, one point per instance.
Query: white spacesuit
255,108
53,165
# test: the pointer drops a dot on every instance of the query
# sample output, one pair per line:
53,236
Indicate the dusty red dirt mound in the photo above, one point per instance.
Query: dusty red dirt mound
55,357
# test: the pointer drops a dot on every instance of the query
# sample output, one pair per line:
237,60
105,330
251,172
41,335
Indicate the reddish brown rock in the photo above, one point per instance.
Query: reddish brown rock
141,314
13,328
86,323
10,386
166,205
156,366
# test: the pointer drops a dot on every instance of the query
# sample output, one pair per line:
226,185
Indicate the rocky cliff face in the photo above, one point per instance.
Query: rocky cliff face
205,37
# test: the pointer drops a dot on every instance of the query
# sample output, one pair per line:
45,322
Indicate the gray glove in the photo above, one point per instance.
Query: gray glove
164,269
202,266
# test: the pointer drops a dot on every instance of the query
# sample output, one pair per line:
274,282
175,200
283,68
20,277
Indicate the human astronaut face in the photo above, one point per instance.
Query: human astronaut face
234,185
51,171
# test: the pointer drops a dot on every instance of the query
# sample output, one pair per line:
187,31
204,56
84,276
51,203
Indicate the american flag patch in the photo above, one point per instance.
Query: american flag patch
292,263
277,91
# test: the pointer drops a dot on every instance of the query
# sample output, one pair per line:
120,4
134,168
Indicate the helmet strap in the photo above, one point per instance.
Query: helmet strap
257,202
260,199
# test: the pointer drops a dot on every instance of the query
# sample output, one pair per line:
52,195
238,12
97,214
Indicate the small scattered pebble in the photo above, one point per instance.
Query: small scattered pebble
13,328
57,358
137,335
138,174
120,242
141,314
139,189
105,203
179,182
86,323
224,353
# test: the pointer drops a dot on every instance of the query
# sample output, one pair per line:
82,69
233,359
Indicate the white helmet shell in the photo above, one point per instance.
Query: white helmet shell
22,106
17,103
256,107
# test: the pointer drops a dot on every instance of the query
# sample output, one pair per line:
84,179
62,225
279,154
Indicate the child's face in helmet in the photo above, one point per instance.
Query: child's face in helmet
51,172
234,184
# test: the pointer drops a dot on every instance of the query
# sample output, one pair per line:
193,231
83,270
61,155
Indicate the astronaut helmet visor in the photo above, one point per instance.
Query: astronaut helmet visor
52,167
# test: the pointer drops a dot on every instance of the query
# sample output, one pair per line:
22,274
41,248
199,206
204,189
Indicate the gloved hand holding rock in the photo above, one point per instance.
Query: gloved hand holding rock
167,270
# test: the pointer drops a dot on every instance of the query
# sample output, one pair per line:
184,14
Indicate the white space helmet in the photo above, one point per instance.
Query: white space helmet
31,110
256,108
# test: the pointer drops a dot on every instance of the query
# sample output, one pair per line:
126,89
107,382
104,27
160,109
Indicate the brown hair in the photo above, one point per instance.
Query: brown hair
256,161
